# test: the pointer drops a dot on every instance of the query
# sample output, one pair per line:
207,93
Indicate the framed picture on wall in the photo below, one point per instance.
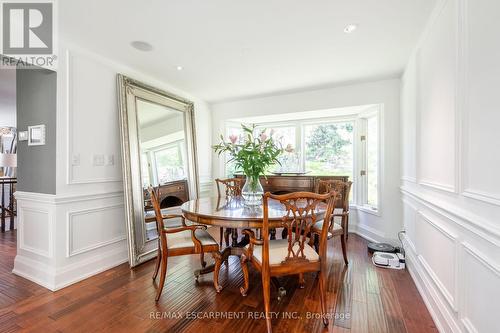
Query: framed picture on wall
36,135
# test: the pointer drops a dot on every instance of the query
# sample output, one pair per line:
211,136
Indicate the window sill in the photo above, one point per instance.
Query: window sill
369,210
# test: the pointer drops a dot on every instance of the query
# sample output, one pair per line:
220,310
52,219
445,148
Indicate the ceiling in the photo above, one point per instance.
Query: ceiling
151,113
350,111
231,49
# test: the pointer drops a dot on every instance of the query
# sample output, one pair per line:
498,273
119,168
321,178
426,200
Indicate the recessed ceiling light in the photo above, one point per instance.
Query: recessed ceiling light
350,28
180,68
141,45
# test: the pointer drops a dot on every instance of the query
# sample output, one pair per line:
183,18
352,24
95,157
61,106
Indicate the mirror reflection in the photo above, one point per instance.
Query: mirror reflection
163,159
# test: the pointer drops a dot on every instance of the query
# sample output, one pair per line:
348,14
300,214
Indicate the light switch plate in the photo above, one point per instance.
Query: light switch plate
98,160
36,135
76,160
23,136
110,159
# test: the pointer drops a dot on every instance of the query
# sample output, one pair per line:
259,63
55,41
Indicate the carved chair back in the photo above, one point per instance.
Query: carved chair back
302,210
342,188
231,186
154,194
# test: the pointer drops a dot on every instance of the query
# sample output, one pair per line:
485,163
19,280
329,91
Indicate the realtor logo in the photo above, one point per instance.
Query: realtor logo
27,28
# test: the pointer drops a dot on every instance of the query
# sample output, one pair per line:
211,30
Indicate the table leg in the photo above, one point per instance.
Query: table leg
279,287
273,233
215,268
234,236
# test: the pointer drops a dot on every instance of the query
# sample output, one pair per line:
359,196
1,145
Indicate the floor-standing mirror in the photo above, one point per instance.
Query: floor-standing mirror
159,150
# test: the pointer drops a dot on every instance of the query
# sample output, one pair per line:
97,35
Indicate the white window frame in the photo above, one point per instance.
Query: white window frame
362,180
153,168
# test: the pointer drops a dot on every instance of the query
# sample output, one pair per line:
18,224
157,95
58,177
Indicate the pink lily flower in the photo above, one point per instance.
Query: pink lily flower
233,138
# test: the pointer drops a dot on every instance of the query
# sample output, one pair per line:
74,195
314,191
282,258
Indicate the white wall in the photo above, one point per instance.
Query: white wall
389,222
81,230
450,162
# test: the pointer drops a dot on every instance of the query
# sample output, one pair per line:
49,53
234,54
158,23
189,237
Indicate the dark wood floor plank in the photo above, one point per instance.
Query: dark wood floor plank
122,300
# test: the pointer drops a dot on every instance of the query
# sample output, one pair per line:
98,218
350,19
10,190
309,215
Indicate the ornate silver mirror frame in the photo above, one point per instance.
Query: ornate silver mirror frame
129,91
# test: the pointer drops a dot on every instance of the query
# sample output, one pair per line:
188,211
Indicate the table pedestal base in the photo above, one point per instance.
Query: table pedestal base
219,257
222,257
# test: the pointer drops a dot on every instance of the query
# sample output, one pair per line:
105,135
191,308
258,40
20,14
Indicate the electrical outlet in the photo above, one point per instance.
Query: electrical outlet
76,160
110,159
98,160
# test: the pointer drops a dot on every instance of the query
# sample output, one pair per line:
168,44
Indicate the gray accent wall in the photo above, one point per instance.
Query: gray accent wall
36,105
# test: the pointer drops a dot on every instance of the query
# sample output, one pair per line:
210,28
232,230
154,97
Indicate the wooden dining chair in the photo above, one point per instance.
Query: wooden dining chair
295,254
230,187
176,241
341,212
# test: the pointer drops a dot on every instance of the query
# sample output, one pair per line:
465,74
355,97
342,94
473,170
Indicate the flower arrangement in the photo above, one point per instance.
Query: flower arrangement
253,154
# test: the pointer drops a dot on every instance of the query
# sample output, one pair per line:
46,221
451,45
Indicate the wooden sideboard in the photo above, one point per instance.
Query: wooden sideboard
171,194
289,183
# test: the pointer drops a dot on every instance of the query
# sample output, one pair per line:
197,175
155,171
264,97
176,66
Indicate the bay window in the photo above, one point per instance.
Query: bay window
343,146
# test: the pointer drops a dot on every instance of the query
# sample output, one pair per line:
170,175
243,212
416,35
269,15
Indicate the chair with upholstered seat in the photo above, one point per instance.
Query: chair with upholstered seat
295,254
182,240
230,188
341,212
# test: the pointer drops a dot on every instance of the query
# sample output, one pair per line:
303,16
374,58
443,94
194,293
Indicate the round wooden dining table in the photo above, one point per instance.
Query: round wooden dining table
231,212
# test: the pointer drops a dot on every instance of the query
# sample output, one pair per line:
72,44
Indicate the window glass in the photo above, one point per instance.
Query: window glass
329,149
145,171
289,160
230,165
372,161
169,165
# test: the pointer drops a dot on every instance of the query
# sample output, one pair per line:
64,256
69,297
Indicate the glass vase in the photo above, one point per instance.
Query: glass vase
252,191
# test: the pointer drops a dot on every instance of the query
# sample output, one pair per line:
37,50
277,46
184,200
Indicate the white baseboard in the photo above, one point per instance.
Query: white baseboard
84,269
53,280
371,234
50,259
439,311
34,271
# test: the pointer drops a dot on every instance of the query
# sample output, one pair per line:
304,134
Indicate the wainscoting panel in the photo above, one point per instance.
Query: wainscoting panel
481,291
64,239
457,271
35,234
91,229
483,76
436,87
409,218
89,101
431,237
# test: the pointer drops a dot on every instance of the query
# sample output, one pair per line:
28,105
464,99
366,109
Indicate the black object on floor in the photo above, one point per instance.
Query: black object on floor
381,247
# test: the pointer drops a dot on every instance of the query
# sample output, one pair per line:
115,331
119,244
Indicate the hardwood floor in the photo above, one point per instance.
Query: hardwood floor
367,299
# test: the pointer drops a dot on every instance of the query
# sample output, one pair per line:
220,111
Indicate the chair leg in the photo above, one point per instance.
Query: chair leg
302,282
347,227
218,262
322,296
244,268
266,289
316,243
344,252
202,259
221,231
163,274
158,261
